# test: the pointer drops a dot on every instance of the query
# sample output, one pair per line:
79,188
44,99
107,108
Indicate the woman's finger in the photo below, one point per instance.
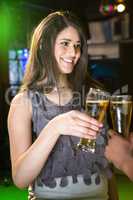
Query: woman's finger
87,125
84,132
86,118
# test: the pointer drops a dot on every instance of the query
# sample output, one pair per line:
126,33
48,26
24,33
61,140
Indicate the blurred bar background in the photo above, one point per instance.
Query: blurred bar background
110,47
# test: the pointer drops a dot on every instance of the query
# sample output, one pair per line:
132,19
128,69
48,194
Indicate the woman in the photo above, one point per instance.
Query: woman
46,119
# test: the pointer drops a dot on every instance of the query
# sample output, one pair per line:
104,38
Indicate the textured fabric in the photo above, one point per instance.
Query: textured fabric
78,191
64,160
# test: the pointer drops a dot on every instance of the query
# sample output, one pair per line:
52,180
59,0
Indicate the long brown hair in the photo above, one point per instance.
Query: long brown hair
41,69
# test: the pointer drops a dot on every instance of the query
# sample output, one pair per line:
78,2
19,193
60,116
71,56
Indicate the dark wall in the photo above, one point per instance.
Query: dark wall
126,60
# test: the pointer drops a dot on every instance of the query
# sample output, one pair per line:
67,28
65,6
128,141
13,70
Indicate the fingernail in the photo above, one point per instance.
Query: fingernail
101,125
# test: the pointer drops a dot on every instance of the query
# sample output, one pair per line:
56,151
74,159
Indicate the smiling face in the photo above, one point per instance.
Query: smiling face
67,49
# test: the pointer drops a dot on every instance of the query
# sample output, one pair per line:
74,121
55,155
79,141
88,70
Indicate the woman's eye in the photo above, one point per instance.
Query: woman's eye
78,46
65,44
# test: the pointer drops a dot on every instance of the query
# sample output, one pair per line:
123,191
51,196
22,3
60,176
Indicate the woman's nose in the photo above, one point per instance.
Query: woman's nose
72,51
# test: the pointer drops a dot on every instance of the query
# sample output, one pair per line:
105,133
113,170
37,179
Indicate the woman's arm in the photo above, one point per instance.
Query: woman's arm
27,158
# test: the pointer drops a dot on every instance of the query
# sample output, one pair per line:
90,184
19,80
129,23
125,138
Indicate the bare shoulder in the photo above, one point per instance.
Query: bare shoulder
21,102
20,109
20,98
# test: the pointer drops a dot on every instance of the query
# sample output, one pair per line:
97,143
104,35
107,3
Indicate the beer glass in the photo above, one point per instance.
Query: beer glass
96,105
121,112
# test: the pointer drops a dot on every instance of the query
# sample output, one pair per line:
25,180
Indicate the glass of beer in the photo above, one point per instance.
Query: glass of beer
121,112
96,105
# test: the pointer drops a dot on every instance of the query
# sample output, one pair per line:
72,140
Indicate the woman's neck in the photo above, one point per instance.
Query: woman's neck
62,92
62,82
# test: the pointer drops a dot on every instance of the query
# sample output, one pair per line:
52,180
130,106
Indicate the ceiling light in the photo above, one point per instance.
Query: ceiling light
120,6
109,7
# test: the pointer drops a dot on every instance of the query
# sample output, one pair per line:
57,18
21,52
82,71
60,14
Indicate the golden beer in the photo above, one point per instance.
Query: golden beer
121,112
97,110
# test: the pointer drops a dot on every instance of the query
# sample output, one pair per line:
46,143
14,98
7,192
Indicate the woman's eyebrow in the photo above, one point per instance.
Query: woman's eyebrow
69,40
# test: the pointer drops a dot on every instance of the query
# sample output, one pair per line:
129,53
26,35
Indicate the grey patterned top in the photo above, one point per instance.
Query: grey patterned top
64,160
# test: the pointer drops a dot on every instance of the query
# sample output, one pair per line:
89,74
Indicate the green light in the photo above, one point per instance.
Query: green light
19,51
8,25
106,8
5,25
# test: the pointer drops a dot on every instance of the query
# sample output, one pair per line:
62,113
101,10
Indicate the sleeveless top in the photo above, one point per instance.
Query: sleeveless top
64,161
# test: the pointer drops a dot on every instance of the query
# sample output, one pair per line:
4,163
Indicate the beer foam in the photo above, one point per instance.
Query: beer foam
121,102
97,101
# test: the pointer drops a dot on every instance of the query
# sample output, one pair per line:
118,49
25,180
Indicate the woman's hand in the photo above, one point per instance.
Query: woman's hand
76,123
